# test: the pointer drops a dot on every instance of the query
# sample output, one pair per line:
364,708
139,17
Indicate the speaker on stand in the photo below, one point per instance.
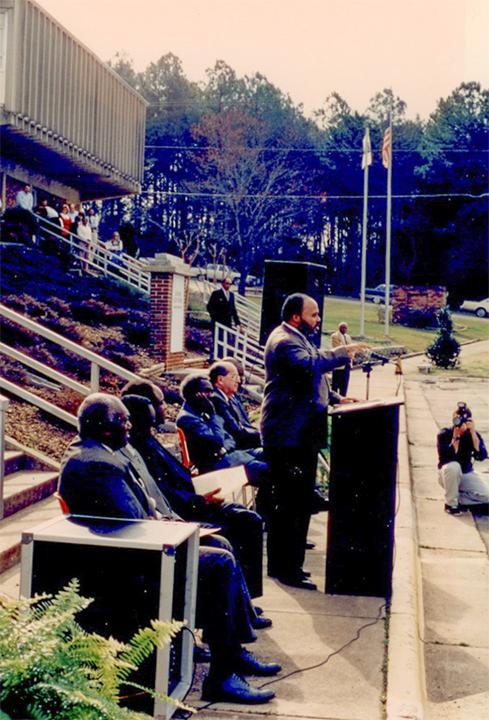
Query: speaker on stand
281,279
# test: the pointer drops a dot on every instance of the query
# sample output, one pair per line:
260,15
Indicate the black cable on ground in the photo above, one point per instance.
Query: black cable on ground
317,665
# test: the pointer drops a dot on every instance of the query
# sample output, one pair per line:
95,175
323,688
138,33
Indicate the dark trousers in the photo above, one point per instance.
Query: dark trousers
293,476
244,530
223,605
340,380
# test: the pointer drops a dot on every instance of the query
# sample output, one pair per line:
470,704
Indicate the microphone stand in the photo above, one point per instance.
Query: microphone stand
367,369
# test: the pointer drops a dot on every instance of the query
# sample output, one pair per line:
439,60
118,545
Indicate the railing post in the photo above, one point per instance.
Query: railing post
94,377
3,409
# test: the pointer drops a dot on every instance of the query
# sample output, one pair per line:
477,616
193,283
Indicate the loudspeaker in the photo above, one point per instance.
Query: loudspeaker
135,571
281,279
362,495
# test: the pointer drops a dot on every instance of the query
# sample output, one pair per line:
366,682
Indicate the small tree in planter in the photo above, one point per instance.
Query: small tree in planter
445,349
51,669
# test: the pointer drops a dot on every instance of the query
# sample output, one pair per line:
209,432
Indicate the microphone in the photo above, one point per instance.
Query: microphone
381,358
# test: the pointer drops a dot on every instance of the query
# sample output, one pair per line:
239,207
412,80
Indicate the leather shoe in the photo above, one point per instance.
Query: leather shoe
457,510
248,664
258,610
310,545
260,623
234,689
319,503
201,654
297,581
305,573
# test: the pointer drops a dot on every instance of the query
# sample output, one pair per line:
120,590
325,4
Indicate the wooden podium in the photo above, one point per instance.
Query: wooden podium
362,495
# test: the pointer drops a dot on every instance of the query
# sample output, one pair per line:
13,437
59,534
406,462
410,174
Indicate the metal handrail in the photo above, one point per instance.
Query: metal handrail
96,362
100,259
239,343
248,311
3,409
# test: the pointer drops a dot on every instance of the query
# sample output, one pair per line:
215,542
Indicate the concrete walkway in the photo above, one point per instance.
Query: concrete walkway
333,648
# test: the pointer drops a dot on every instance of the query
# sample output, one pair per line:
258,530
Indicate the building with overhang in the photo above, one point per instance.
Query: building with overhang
69,125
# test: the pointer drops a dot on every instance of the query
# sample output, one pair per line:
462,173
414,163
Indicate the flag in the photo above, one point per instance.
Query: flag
387,148
366,149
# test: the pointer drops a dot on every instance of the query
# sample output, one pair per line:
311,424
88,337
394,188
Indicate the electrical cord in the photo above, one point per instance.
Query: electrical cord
316,665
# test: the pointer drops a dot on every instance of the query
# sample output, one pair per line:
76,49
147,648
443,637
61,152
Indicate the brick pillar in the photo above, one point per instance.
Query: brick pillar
168,295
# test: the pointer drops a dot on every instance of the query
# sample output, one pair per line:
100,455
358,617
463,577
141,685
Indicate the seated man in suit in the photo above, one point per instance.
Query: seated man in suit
237,398
99,478
242,527
225,380
210,445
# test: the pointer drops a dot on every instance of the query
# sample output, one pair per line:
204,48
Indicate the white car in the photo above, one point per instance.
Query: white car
479,307
217,272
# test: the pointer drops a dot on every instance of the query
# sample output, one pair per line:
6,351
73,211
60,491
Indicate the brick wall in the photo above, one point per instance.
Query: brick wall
160,320
410,299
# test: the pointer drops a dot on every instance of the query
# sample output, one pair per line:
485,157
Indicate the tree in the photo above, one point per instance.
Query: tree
445,349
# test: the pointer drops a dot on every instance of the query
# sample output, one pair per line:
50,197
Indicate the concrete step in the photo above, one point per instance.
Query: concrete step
11,529
14,460
27,486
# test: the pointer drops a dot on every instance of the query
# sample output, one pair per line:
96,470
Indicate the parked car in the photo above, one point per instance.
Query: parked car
479,307
253,281
214,271
377,294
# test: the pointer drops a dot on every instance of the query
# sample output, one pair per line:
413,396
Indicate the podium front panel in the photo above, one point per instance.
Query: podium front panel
135,572
362,496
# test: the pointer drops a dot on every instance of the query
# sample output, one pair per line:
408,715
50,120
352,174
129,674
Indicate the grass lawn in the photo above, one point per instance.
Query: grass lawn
467,327
335,310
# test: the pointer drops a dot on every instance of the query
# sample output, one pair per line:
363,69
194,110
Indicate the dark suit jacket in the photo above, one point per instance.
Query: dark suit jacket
296,394
206,436
221,309
173,479
96,481
244,433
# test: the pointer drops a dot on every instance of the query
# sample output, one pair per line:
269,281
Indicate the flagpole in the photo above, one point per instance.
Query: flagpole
364,237
388,234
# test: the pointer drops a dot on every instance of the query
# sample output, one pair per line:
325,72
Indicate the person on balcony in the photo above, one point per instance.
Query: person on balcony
115,249
84,233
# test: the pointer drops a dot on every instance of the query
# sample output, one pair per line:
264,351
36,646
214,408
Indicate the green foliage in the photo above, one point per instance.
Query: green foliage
51,669
445,349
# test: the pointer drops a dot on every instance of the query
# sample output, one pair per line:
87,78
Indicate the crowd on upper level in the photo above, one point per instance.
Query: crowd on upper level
57,227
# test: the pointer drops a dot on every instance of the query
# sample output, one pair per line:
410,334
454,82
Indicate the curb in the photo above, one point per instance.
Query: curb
406,690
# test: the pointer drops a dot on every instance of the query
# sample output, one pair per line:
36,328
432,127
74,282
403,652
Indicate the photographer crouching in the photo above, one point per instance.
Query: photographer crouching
457,447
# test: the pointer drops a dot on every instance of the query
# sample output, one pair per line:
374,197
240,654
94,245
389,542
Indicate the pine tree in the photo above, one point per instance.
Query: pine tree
445,349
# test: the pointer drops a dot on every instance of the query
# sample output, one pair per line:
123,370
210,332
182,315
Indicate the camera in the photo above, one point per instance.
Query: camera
463,414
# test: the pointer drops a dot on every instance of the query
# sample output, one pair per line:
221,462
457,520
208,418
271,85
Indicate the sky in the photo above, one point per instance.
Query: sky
422,49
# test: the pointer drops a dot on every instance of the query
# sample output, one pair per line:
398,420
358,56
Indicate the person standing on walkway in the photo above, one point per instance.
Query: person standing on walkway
25,199
293,427
222,308
457,447
341,376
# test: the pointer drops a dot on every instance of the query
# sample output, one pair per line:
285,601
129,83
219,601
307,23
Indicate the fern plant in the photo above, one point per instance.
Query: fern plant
51,669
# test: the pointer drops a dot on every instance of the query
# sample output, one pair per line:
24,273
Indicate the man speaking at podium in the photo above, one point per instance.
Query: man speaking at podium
293,426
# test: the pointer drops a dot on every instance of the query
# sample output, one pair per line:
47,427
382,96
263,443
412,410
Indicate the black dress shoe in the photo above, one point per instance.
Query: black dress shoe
248,664
305,573
260,622
201,654
457,510
319,503
234,689
258,610
310,545
297,581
